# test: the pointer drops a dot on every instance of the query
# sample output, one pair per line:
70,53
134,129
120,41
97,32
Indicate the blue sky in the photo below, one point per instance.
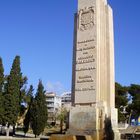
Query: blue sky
41,32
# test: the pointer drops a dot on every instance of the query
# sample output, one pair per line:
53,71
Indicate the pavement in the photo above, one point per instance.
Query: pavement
21,136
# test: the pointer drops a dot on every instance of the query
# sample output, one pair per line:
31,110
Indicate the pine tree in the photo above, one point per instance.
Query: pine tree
29,95
28,114
22,96
26,121
1,75
23,82
134,107
121,100
12,95
39,111
1,90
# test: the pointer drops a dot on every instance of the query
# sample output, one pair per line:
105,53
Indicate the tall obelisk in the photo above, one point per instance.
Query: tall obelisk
93,84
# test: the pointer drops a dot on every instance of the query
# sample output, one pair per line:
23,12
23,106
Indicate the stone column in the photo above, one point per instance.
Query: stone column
93,84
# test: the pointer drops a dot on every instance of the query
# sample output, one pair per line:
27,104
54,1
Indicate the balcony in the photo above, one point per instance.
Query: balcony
50,100
50,105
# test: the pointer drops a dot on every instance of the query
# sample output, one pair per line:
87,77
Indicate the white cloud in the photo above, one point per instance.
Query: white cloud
56,87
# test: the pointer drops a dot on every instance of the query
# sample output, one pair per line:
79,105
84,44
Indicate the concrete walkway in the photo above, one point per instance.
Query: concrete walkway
20,136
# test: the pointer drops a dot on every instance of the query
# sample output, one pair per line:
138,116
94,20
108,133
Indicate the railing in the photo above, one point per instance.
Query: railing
50,105
50,100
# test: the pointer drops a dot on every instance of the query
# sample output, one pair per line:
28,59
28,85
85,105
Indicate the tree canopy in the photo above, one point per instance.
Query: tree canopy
1,90
134,107
12,94
121,100
39,112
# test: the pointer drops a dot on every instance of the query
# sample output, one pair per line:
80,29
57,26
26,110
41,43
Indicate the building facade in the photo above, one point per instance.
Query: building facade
53,105
66,100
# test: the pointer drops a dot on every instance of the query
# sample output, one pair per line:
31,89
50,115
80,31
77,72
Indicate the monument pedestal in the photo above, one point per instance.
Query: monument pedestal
71,137
93,121
86,120
114,123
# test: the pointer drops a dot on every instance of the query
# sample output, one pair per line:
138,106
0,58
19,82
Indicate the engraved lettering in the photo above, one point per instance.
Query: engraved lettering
85,61
85,69
85,41
83,77
84,81
85,89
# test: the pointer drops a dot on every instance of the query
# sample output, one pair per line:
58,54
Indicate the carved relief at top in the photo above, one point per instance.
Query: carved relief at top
86,18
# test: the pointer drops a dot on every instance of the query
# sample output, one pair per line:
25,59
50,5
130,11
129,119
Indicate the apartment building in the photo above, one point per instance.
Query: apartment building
53,105
66,100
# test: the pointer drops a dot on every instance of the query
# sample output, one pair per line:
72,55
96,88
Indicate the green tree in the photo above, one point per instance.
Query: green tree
12,94
62,117
1,90
23,108
26,121
134,107
29,95
29,100
23,91
121,100
38,111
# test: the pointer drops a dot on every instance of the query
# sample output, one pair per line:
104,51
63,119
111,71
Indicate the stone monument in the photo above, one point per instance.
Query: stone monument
93,83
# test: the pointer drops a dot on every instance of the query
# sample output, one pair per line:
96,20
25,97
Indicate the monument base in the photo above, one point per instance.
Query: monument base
71,137
93,121
114,123
117,135
86,120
